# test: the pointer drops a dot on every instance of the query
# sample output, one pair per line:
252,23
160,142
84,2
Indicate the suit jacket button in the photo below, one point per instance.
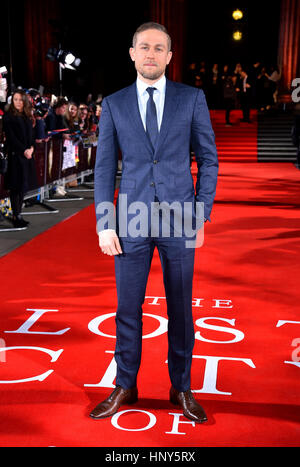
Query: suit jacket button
155,162
152,184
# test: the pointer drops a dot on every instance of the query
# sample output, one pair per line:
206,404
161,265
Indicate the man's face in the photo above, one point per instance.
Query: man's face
61,110
151,55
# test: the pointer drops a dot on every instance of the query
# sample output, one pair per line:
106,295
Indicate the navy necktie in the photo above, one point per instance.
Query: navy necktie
151,118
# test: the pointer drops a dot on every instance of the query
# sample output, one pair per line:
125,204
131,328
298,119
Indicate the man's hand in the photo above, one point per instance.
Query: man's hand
28,153
109,243
200,238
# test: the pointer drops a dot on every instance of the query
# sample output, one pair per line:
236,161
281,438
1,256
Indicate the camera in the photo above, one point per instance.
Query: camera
3,84
2,151
3,71
3,159
40,104
41,107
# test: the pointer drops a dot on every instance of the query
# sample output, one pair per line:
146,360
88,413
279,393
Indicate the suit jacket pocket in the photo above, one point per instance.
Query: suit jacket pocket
184,184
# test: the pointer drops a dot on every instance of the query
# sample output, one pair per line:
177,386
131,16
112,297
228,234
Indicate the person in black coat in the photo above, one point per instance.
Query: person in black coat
55,119
245,95
229,96
21,174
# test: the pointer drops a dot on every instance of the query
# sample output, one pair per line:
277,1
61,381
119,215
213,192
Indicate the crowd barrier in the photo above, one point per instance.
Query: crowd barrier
50,167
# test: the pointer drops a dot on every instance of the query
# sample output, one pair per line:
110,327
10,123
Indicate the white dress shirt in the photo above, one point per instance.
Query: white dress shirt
158,97
143,96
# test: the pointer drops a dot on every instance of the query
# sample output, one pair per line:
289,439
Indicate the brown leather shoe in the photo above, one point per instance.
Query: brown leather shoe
111,405
191,409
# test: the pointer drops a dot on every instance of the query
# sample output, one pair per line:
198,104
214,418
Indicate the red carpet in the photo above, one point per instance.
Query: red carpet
237,143
247,355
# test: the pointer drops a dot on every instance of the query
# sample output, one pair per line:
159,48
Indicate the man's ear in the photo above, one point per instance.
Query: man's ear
170,54
132,53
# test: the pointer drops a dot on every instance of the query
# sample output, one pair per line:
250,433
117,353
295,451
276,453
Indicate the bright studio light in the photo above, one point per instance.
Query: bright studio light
69,59
237,14
66,59
237,35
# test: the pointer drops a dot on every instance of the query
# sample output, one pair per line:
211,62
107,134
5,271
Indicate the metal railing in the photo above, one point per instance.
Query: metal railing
49,162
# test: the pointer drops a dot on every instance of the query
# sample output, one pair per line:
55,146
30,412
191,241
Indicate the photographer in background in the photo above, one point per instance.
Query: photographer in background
3,156
55,119
3,87
40,111
40,108
3,95
21,174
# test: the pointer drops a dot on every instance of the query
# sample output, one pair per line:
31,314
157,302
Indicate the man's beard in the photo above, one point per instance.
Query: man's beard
151,75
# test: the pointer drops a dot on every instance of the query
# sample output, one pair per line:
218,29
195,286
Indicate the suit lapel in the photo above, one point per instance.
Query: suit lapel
135,116
170,108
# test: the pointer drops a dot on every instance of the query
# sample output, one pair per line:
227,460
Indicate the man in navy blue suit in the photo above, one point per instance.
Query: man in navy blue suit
154,123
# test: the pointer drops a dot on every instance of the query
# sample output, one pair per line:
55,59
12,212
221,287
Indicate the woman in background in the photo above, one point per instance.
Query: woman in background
72,117
21,174
83,118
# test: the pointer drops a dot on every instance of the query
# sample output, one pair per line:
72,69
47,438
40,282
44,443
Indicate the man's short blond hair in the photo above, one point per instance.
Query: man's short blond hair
151,25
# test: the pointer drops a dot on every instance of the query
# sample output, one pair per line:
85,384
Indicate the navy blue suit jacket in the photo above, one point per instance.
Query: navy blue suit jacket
163,171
